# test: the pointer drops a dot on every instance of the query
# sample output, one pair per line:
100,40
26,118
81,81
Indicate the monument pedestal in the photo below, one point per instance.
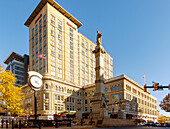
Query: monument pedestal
99,107
78,115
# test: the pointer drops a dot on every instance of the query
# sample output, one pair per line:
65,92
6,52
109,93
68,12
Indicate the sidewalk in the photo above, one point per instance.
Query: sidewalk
73,127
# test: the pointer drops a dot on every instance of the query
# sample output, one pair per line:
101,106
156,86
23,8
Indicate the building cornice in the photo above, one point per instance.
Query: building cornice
57,7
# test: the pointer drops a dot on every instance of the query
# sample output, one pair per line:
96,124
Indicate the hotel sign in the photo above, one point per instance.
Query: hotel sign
71,26
38,18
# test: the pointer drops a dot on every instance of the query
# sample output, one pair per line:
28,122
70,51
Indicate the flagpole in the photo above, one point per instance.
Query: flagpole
47,65
144,79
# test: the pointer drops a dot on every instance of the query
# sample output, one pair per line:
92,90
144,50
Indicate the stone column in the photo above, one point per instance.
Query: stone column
99,102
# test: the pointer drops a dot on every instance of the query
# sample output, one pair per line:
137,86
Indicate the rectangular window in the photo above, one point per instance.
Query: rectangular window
52,32
44,21
59,41
71,43
59,65
71,38
52,17
52,63
59,36
59,27
60,32
71,47
59,56
60,75
71,29
52,27
44,27
53,73
119,96
59,61
59,70
46,96
71,34
71,57
44,32
52,42
53,53
52,37
52,58
59,46
52,47
59,22
40,21
53,68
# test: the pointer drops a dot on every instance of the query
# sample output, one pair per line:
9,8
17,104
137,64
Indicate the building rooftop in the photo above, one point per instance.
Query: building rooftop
56,6
13,56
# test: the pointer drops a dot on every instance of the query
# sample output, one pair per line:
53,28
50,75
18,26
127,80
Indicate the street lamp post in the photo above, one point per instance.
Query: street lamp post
35,82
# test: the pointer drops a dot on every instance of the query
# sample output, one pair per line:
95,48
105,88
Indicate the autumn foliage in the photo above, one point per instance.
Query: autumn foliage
10,95
165,104
162,119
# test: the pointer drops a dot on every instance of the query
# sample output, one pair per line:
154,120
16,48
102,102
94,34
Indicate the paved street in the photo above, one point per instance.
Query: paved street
136,128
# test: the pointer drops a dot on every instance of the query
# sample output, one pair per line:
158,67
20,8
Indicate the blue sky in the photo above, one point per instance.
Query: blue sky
136,33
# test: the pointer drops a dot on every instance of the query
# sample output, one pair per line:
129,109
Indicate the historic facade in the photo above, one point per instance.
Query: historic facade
68,69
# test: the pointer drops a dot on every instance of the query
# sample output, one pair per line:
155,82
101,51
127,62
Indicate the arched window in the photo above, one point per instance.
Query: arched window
112,88
62,89
46,86
119,87
115,87
56,88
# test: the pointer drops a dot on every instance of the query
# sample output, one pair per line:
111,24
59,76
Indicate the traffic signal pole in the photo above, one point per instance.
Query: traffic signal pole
156,87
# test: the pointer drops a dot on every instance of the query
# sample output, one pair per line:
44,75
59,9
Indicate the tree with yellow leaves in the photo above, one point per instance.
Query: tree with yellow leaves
10,95
162,119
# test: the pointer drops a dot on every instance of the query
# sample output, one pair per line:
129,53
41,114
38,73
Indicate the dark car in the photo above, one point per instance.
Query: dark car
167,124
150,123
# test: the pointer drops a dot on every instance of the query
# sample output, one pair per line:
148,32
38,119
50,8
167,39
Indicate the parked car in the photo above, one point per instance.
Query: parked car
157,124
150,123
141,124
167,124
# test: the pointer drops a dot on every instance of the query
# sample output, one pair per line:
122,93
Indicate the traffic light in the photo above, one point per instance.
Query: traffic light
169,87
145,88
125,103
156,86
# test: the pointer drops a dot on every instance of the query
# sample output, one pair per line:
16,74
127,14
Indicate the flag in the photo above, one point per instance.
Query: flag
42,56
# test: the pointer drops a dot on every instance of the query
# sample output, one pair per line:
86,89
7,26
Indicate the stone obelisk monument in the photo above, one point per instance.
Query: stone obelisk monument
99,101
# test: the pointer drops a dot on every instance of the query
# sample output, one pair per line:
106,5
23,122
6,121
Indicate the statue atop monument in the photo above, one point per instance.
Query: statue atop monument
99,44
99,38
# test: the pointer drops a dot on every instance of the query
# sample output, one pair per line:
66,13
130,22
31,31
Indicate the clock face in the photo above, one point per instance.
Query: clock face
35,81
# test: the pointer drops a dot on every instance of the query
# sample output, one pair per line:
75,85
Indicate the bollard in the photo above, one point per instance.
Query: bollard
70,122
2,123
81,122
19,124
91,121
56,124
12,124
6,123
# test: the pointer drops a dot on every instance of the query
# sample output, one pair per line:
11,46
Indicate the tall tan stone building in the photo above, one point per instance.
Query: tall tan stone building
69,68
54,32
